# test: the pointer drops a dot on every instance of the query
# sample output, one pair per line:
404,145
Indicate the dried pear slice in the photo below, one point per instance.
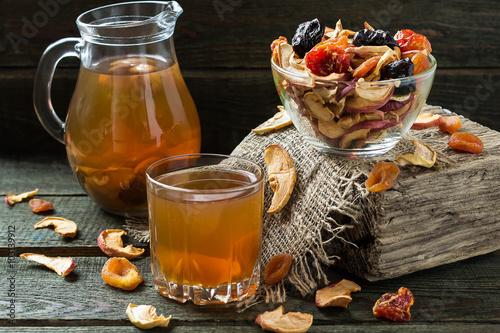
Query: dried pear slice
62,266
11,199
63,227
110,242
145,317
424,156
292,322
281,174
279,120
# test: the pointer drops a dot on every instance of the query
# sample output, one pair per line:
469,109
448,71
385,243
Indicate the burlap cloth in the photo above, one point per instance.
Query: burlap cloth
329,191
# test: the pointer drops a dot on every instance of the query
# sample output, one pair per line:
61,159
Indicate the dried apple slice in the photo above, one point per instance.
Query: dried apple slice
337,294
279,120
11,199
276,321
110,242
281,174
144,316
424,156
317,107
62,266
63,227
349,137
426,120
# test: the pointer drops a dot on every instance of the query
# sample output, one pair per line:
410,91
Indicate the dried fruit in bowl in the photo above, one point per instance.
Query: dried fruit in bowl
11,199
395,307
62,226
62,266
327,58
277,321
121,273
307,35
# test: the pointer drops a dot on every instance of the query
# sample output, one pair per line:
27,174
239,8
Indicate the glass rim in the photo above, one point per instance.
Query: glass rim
255,183
426,73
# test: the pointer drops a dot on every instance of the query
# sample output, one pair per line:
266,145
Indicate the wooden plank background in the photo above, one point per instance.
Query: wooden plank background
223,50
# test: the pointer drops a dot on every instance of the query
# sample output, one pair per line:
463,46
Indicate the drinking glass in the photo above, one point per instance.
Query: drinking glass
205,213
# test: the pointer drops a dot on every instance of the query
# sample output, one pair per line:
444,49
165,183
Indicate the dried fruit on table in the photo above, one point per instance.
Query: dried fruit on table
424,156
62,266
62,226
110,242
395,307
281,174
327,58
121,273
11,199
374,38
382,176
39,205
276,321
277,268
426,120
450,124
411,41
145,317
279,120
337,294
307,35
466,142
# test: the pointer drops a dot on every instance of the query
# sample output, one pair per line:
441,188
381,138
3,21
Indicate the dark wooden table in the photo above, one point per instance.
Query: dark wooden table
459,297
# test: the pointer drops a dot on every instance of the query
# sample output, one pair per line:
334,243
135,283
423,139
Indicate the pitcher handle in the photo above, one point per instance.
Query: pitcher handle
65,47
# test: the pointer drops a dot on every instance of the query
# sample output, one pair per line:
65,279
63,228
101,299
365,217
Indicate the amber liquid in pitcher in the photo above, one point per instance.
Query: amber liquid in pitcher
206,238
122,118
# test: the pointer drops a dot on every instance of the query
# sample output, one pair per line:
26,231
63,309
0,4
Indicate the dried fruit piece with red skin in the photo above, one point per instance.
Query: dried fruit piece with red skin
327,58
62,266
277,268
275,49
39,205
395,307
11,199
337,294
382,176
450,124
409,41
466,142
426,120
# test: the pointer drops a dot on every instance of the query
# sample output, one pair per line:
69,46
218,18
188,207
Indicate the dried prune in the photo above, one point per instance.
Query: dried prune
307,35
374,38
397,70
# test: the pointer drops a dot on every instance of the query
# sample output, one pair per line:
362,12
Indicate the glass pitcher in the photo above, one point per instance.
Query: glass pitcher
130,106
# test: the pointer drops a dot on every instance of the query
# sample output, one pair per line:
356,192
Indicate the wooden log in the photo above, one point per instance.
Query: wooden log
431,217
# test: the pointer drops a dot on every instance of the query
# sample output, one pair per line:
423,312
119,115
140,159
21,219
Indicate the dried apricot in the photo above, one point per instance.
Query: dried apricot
277,268
382,176
121,273
411,41
466,142
366,66
421,62
39,205
395,307
326,58
450,124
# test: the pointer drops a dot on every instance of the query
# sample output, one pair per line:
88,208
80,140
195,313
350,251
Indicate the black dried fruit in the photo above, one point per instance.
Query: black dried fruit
374,38
307,35
399,69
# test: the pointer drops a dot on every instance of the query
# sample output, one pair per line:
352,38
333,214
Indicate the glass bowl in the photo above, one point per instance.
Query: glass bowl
353,119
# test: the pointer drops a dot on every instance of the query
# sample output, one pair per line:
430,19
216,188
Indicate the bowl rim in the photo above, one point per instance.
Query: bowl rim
428,72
